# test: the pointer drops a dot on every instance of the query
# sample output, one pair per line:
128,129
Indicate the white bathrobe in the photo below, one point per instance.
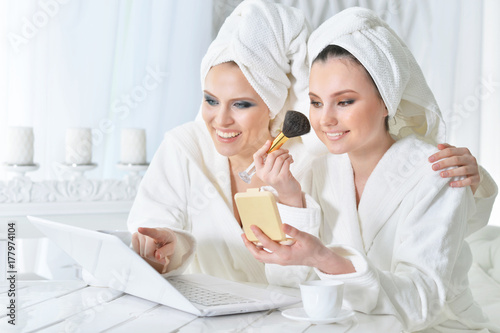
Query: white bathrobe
484,198
405,239
187,188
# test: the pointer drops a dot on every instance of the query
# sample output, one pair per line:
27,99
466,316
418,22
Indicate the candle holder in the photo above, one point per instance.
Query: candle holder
132,169
19,170
77,170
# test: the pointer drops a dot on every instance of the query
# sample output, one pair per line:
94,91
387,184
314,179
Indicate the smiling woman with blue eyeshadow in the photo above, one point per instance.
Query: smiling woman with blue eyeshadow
184,218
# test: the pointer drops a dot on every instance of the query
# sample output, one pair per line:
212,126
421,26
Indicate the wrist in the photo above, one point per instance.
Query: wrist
331,263
292,200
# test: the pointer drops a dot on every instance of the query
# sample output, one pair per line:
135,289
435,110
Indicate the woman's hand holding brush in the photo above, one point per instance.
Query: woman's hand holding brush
294,125
274,170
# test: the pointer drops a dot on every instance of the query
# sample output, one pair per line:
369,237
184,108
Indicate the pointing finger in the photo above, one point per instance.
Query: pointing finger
151,232
165,251
149,248
135,243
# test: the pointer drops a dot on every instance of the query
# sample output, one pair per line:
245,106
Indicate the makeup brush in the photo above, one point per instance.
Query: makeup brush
295,124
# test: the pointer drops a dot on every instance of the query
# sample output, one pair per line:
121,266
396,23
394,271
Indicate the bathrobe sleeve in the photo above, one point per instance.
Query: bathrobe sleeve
161,201
429,239
305,219
484,198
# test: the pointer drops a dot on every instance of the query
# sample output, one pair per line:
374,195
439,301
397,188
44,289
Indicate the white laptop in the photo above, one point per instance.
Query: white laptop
117,266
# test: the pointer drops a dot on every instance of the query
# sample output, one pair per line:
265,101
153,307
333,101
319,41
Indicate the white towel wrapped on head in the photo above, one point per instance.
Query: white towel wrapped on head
268,43
392,66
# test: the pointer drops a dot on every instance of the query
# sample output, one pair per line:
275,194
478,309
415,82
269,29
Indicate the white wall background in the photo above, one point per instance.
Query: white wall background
100,64
124,63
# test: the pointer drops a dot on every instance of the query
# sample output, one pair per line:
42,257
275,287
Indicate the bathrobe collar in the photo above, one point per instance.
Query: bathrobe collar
396,174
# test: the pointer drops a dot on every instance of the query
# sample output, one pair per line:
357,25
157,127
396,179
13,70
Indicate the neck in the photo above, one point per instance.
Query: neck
244,158
238,163
365,159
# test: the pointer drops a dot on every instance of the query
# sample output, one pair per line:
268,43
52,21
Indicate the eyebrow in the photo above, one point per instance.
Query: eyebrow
207,93
334,94
233,99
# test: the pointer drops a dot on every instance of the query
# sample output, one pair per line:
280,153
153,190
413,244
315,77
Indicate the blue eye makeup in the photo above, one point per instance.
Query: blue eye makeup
210,100
243,104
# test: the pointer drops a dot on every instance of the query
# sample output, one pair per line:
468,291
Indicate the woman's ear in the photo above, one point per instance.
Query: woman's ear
386,112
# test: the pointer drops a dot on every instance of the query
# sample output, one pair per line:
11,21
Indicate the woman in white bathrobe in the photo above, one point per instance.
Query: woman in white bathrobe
186,196
394,229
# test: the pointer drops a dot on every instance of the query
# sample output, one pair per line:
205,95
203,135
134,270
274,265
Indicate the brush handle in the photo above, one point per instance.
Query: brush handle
247,175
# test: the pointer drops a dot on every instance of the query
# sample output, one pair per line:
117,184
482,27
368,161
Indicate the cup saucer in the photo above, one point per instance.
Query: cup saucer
300,314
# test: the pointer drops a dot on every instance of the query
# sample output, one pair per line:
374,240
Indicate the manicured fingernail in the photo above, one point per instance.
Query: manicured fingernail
444,174
435,166
432,159
452,184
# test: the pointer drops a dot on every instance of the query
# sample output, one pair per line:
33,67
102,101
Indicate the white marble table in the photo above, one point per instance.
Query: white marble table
72,306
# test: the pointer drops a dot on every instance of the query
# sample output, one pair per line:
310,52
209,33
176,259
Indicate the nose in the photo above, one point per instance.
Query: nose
328,117
224,116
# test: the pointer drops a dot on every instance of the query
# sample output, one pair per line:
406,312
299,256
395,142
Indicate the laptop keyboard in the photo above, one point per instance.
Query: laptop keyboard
200,295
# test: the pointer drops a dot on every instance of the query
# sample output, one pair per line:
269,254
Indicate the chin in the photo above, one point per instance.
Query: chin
335,149
225,151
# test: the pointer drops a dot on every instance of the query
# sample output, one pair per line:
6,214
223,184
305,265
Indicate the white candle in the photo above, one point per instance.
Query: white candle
133,146
19,145
78,146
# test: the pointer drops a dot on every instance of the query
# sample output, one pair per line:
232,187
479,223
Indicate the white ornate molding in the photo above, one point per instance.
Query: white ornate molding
24,190
22,196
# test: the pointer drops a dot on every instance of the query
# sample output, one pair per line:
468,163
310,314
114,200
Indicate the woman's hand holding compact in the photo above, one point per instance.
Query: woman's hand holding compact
307,250
274,170
461,158
155,245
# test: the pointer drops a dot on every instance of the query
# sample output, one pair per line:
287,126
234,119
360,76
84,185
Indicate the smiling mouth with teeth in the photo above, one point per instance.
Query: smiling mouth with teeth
335,134
229,135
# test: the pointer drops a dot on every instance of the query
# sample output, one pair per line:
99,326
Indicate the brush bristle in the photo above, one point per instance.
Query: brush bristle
295,124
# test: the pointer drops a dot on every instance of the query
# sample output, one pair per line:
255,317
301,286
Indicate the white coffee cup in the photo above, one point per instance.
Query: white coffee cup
322,298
